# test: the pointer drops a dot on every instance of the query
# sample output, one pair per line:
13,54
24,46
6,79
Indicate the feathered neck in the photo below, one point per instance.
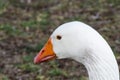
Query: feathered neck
102,67
102,70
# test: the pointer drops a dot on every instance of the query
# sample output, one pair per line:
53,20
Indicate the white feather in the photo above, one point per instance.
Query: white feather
85,45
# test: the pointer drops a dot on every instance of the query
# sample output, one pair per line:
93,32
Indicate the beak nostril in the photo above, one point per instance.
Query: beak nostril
43,50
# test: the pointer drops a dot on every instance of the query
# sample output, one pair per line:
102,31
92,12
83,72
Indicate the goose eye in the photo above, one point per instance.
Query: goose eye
59,37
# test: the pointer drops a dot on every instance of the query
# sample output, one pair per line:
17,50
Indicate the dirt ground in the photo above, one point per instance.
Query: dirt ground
25,25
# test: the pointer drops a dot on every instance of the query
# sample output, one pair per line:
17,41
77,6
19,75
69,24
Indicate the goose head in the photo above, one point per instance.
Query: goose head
80,42
67,41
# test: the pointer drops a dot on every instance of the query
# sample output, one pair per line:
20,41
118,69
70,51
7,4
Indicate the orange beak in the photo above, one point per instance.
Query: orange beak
46,53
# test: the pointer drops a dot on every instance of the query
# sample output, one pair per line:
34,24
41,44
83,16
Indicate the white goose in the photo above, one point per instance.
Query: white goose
82,43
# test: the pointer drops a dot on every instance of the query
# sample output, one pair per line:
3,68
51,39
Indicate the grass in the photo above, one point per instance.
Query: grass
28,58
10,30
28,67
3,77
36,48
114,2
57,72
29,23
41,21
41,77
3,6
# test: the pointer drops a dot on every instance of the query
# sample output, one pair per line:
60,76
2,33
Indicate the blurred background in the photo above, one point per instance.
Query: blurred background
25,25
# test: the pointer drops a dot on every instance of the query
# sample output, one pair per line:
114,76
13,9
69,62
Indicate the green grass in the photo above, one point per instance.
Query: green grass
3,6
83,78
3,77
10,30
57,72
36,48
28,58
29,23
41,77
41,21
28,67
114,2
